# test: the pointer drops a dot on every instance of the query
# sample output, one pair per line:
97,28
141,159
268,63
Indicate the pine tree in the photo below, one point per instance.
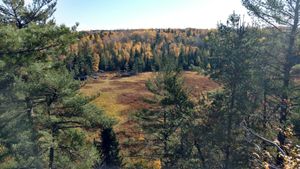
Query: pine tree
109,150
283,17
19,50
41,112
135,66
59,109
233,49
21,15
168,120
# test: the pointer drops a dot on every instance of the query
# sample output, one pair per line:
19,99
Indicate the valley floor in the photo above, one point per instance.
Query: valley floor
120,97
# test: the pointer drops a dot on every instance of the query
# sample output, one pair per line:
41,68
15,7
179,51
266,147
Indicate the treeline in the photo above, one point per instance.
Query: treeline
137,50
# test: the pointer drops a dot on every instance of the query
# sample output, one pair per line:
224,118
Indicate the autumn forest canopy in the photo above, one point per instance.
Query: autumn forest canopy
137,50
223,98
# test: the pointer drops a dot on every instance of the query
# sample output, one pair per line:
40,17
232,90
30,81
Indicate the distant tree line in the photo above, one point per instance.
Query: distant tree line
136,50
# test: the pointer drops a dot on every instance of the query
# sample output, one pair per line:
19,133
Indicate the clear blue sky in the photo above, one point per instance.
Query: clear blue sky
131,14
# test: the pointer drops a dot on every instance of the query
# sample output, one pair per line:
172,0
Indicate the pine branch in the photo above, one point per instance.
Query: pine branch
24,51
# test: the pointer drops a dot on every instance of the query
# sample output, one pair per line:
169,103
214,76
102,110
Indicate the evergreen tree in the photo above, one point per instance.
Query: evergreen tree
21,15
233,48
60,110
103,63
109,150
41,112
182,62
19,50
164,123
136,63
283,16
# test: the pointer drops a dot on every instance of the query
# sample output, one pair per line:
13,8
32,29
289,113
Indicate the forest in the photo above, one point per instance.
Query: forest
137,50
224,98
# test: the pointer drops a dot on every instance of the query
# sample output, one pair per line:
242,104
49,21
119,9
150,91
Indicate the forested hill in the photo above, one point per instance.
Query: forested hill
137,50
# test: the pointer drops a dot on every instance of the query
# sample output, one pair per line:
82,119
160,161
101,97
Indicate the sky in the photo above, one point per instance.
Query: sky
135,14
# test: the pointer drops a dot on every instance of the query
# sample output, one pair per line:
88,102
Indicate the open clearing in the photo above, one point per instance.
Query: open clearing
121,96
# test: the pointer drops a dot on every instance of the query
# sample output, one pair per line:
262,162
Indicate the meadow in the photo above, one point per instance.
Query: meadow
121,97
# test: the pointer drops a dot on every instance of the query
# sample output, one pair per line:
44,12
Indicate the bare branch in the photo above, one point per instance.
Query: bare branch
243,124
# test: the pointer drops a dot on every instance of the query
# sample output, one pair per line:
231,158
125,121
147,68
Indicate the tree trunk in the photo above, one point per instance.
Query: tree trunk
200,154
33,138
51,151
53,131
165,144
265,120
286,80
229,128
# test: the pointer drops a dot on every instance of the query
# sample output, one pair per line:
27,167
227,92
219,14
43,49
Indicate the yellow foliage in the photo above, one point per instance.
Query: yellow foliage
74,48
96,60
2,148
266,165
263,39
157,164
141,137
174,49
208,66
137,47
